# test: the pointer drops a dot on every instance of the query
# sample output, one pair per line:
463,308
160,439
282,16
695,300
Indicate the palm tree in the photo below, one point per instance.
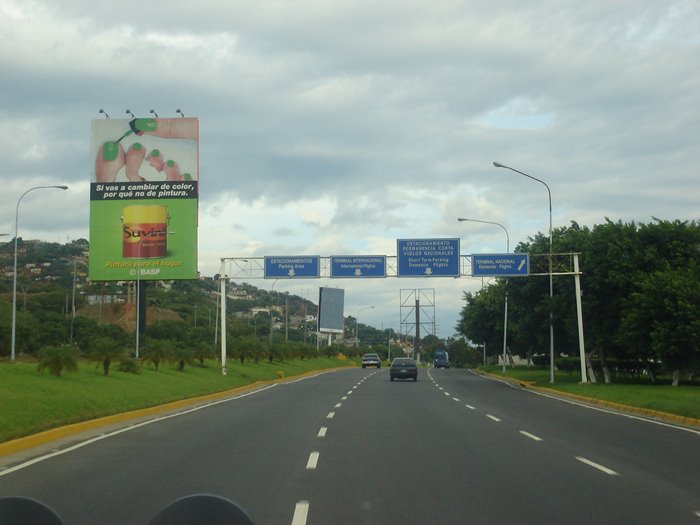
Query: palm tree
104,350
58,358
157,350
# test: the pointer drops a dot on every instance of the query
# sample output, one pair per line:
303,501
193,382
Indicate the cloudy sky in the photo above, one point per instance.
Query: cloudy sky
335,127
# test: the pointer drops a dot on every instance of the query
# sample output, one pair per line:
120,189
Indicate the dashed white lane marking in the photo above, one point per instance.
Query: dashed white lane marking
590,463
349,392
344,398
441,388
531,436
330,415
492,417
697,513
338,405
301,512
322,432
470,407
354,387
446,393
456,399
313,461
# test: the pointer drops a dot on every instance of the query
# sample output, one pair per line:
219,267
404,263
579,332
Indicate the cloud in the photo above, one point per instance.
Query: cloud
338,127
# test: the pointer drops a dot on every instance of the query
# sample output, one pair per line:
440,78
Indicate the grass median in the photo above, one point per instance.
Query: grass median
32,402
682,400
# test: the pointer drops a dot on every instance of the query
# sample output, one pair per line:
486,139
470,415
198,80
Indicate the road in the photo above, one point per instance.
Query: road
352,447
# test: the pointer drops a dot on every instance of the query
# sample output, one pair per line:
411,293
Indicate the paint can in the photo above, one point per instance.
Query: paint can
145,231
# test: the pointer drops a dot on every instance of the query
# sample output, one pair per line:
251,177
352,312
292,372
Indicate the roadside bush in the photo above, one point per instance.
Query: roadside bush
130,366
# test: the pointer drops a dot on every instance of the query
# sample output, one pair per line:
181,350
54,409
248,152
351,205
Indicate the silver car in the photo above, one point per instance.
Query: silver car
371,360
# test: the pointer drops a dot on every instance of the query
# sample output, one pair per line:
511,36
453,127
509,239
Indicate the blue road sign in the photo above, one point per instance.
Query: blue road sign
501,265
358,266
292,267
427,257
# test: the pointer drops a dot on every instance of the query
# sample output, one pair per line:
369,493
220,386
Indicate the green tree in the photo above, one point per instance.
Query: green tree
481,319
104,350
241,347
663,318
182,354
157,350
462,355
56,359
200,340
610,266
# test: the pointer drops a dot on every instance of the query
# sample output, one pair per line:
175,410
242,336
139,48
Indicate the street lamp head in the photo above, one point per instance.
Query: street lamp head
61,187
462,219
499,165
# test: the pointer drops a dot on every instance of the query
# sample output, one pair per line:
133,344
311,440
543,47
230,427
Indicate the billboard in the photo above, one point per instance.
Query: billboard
330,310
144,193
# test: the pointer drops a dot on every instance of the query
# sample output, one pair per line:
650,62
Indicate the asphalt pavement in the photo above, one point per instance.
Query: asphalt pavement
349,446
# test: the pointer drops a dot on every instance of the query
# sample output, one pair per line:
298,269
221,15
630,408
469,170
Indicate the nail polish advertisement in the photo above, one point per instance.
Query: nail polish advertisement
144,199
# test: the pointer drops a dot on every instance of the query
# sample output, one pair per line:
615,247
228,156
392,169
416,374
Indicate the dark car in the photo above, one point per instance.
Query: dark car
371,360
403,368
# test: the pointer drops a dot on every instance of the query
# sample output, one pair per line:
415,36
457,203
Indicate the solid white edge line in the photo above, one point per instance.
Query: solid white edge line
493,418
313,461
301,513
595,465
330,415
127,429
322,432
592,407
531,436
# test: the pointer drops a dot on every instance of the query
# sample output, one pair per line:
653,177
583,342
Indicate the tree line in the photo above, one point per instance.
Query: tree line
641,301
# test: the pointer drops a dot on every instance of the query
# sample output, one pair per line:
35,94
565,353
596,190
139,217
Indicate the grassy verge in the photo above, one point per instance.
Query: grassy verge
31,402
683,400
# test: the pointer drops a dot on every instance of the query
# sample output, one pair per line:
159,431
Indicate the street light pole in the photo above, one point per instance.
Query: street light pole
358,313
505,312
14,280
551,283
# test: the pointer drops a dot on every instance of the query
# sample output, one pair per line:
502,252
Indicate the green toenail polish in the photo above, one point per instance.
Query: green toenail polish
110,150
155,153
136,146
145,124
187,176
170,163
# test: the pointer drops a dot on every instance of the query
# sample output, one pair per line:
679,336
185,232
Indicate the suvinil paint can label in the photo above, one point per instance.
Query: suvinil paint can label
145,231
